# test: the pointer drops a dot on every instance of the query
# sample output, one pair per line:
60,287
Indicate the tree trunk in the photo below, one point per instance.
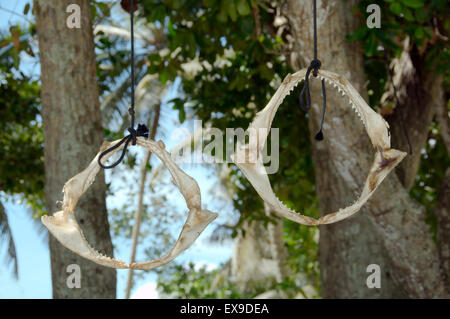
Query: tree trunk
443,229
443,207
390,230
416,96
73,134
259,256
420,96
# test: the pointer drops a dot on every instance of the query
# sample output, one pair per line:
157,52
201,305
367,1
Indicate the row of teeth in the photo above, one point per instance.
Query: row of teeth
98,254
284,206
293,211
340,90
343,94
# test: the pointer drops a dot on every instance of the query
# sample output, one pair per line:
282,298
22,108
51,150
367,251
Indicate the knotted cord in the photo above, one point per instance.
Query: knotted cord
142,129
314,67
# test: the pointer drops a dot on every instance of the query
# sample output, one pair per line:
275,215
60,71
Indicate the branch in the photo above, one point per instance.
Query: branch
16,14
442,119
138,213
414,95
6,235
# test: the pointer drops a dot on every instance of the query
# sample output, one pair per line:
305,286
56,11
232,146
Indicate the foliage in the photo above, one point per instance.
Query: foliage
230,60
192,282
228,96
424,22
427,25
229,70
7,237
433,165
21,141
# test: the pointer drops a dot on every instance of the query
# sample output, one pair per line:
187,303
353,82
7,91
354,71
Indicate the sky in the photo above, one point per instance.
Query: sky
32,250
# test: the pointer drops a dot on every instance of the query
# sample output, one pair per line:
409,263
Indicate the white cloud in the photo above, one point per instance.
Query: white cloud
146,291
209,266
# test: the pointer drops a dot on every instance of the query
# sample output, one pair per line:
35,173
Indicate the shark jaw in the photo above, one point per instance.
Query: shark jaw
64,227
376,127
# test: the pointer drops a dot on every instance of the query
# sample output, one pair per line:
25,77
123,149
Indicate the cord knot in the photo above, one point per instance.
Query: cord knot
313,66
132,136
142,131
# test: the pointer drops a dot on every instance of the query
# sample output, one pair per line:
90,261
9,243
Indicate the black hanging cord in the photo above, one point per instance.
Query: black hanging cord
319,135
131,109
142,130
314,67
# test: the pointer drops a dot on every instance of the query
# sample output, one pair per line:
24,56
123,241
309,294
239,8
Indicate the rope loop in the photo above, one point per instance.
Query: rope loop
142,131
313,66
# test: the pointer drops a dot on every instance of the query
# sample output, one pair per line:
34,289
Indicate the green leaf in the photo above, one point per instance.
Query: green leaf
209,3
26,9
371,45
231,9
181,114
104,8
408,14
164,76
247,25
396,7
413,3
222,16
422,15
170,28
243,8
359,34
177,4
419,32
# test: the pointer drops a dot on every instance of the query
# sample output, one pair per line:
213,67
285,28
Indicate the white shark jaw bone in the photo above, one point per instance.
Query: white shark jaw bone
64,227
377,128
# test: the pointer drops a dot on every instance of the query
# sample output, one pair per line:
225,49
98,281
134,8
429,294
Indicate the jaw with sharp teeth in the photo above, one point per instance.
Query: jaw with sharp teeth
64,227
377,129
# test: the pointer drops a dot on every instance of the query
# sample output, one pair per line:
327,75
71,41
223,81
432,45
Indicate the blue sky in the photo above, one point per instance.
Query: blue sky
33,254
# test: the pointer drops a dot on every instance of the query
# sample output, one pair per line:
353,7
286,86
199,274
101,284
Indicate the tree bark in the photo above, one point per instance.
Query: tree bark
443,207
443,228
418,92
390,229
420,97
258,259
73,134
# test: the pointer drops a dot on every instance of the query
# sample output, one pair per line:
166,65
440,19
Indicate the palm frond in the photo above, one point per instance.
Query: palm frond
110,102
124,33
7,237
